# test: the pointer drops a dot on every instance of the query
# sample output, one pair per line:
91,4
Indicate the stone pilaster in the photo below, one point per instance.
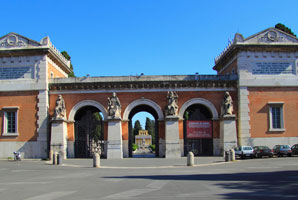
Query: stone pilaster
172,137
59,137
228,134
42,122
115,149
244,126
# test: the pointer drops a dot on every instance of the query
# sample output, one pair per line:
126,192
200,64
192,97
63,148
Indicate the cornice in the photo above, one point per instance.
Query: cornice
129,85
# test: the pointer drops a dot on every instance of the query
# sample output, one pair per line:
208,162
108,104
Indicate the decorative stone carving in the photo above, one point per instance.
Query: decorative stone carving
12,41
227,105
60,110
172,108
114,106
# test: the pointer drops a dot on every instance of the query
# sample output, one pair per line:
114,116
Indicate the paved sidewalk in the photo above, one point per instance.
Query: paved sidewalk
143,162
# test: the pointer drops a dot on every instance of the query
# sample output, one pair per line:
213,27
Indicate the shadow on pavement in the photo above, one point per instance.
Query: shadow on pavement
261,185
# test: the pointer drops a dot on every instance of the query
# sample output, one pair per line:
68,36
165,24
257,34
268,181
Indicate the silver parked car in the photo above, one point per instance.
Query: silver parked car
244,151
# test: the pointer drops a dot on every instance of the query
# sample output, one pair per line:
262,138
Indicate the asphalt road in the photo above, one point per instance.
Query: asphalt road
275,178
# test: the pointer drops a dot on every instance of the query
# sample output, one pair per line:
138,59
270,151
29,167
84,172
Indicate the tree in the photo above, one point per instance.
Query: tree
150,127
98,131
284,28
137,126
67,56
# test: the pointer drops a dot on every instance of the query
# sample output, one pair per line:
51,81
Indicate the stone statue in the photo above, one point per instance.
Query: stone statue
60,110
114,106
227,105
172,108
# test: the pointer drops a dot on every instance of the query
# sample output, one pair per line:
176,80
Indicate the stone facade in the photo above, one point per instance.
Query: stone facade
259,72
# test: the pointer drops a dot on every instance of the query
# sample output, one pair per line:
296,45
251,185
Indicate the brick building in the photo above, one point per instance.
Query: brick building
259,72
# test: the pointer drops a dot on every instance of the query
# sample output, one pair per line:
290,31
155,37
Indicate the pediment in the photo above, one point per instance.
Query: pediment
14,40
271,36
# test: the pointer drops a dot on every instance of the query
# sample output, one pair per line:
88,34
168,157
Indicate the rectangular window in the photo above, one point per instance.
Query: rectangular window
276,116
10,121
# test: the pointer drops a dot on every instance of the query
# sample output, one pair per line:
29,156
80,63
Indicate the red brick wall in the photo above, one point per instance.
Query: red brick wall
56,73
27,114
259,111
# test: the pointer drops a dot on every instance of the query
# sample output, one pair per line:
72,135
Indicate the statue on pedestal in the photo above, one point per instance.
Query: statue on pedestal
172,107
227,105
60,109
114,106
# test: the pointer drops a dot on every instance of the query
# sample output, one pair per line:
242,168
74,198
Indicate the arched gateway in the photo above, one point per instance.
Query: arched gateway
149,94
198,137
143,105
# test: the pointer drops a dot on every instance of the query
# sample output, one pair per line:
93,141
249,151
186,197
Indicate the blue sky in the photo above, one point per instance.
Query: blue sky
154,37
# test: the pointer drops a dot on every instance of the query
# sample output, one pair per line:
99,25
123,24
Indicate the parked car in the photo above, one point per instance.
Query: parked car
244,151
260,151
294,149
281,150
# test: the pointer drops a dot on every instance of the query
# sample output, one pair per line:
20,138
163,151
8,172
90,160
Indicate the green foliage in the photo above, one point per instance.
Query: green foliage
186,115
67,56
137,126
135,130
152,147
150,127
97,134
284,28
134,147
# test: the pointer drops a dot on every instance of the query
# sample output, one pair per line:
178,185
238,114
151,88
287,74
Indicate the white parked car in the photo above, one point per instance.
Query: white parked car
244,151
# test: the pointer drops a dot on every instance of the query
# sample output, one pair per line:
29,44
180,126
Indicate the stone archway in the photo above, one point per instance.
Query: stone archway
143,105
200,111
146,102
71,148
87,103
201,101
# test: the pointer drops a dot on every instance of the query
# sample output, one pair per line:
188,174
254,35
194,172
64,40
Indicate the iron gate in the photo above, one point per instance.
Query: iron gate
88,135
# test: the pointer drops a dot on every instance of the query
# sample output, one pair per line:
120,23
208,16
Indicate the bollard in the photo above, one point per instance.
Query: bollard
59,159
96,160
190,159
51,155
232,152
54,158
227,156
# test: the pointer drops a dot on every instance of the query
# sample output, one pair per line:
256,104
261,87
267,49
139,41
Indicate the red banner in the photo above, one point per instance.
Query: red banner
198,129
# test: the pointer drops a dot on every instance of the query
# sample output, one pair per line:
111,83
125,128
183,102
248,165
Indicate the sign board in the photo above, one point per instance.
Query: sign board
198,129
16,73
272,68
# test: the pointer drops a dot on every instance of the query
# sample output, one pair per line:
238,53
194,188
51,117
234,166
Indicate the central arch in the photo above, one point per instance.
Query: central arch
139,102
143,105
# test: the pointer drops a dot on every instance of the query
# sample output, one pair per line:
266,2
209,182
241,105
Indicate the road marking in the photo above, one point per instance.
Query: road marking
114,180
26,183
153,186
52,195
22,170
66,176
157,185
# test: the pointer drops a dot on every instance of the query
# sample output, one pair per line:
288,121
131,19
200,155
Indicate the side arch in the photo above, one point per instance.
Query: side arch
139,102
201,101
87,103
